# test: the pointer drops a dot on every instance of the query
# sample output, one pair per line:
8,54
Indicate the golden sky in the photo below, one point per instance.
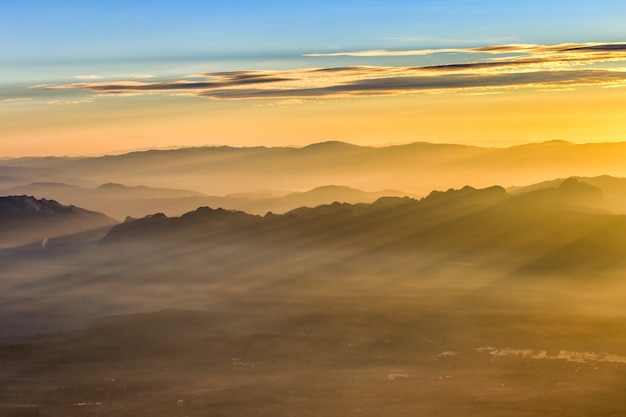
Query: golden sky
88,80
111,124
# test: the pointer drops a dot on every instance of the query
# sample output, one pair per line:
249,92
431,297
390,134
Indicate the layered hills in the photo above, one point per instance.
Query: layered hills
512,302
415,168
613,189
489,226
120,201
486,225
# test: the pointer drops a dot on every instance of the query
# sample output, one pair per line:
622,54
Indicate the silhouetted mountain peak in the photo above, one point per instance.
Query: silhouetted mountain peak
201,221
111,186
330,146
329,191
331,188
325,209
392,201
570,192
14,208
156,217
573,185
115,190
468,194
218,214
547,144
24,205
25,219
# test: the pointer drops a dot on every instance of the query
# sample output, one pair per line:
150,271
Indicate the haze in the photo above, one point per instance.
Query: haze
285,208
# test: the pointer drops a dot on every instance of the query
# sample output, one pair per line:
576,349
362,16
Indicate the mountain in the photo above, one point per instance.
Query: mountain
467,237
415,168
105,191
25,219
121,201
116,200
317,196
120,191
389,298
202,221
569,192
481,225
612,188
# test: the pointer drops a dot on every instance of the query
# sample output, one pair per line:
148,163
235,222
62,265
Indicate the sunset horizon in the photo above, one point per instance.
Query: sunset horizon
92,80
279,208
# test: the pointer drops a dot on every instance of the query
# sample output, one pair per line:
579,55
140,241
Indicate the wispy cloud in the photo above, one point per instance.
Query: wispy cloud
66,102
215,80
517,66
283,103
8,100
411,84
88,77
495,49
383,52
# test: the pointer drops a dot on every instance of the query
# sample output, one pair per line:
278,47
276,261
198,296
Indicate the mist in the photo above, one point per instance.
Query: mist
469,301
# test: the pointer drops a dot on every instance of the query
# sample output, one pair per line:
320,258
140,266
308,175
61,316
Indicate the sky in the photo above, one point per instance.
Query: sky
93,77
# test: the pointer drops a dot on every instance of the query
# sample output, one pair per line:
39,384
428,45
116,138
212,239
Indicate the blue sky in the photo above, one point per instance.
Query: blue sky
84,33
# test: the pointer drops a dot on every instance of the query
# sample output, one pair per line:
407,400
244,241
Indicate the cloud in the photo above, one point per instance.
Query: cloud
283,103
8,100
517,66
65,102
417,84
382,52
88,77
495,49
216,80
360,81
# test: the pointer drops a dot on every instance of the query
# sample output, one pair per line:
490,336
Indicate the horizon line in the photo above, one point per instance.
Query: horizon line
174,148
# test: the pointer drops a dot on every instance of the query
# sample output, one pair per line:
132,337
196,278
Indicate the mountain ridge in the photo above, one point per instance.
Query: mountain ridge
417,167
121,201
468,222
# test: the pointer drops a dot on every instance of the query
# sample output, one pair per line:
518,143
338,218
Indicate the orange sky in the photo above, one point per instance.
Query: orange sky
110,124
101,77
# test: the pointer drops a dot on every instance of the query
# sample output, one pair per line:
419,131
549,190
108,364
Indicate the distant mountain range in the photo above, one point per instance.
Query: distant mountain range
487,225
120,201
415,168
477,238
544,229
375,295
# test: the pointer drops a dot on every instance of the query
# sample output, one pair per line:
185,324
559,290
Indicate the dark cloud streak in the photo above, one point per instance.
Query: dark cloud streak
603,48
165,86
539,66
394,85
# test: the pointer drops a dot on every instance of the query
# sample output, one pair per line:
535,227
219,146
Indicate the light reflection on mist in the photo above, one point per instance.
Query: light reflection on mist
397,249
387,304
